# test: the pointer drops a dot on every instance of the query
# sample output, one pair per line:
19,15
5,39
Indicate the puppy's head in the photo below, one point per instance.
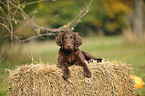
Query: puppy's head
68,40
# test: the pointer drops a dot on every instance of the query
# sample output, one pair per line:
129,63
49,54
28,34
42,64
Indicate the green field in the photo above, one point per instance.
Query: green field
112,48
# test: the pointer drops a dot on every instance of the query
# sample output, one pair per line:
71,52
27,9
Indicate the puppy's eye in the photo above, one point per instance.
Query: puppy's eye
65,37
71,37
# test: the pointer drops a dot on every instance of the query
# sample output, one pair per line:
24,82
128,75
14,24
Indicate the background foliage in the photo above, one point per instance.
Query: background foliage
106,16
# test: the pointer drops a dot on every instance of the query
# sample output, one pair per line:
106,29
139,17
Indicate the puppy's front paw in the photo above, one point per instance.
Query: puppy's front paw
66,75
87,73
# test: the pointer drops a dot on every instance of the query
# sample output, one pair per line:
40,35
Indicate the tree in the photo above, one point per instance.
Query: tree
13,13
115,11
138,19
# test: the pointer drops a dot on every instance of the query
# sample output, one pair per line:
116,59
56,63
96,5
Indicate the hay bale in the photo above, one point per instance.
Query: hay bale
108,79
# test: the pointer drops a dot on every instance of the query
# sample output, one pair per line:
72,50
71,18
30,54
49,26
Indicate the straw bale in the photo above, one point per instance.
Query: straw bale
109,78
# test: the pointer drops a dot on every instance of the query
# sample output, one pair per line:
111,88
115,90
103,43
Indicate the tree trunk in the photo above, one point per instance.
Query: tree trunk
138,19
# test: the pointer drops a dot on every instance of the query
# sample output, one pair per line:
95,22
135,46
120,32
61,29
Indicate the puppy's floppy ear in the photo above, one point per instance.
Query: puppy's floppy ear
78,40
59,39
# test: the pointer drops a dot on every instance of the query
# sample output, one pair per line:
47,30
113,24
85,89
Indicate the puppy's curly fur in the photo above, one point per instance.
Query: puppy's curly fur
69,53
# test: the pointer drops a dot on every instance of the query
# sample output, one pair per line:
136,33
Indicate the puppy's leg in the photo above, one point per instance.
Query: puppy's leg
87,72
65,71
89,57
80,60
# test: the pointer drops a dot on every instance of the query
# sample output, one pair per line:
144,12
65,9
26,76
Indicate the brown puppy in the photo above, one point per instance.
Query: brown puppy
69,53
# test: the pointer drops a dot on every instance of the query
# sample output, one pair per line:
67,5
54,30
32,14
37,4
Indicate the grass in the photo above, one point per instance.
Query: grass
113,48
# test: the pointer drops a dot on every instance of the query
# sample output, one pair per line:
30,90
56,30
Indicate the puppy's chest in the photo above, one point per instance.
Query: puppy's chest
70,58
